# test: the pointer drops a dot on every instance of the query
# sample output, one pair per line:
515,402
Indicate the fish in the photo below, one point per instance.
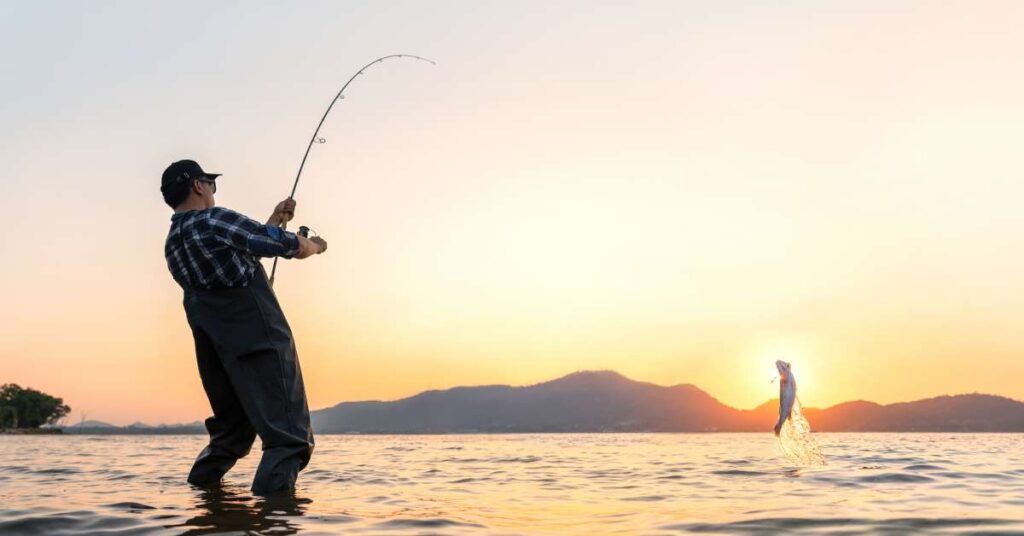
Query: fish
787,393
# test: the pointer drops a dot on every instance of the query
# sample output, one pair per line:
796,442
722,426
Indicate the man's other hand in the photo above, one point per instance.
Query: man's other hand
310,246
320,242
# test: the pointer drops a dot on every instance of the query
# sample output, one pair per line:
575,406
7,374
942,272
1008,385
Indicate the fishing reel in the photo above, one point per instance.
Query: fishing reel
304,231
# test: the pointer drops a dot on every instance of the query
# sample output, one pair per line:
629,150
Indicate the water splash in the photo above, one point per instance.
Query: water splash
796,440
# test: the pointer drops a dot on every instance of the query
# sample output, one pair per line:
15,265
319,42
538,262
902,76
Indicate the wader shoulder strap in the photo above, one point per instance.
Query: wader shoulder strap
187,256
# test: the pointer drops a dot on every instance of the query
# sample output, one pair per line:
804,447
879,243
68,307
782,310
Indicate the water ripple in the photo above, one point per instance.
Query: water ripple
524,484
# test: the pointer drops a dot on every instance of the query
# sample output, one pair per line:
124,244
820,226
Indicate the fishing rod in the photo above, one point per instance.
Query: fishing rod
303,230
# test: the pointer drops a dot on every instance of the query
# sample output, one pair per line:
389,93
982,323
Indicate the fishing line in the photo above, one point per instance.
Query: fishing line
316,133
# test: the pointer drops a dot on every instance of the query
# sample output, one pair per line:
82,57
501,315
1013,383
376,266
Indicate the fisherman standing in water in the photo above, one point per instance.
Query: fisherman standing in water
247,359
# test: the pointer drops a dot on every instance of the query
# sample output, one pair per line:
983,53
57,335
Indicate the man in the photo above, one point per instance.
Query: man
244,347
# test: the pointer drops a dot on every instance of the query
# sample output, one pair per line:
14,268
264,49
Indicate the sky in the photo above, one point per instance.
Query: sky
679,191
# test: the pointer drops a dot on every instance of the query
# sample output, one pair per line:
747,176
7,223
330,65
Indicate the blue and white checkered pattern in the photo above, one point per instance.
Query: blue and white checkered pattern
218,247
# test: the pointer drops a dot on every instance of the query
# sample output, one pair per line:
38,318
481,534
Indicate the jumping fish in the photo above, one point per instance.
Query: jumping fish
787,393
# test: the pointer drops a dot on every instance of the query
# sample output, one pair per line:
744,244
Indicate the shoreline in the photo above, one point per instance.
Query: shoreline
31,431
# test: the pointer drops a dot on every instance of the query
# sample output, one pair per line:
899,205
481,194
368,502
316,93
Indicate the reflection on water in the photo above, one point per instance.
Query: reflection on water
220,509
524,484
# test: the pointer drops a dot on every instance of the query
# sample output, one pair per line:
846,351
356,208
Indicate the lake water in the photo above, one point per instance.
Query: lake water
524,484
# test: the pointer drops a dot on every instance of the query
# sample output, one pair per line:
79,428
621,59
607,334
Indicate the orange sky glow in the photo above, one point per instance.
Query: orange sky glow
682,193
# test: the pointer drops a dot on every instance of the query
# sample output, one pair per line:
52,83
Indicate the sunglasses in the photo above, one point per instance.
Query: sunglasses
213,184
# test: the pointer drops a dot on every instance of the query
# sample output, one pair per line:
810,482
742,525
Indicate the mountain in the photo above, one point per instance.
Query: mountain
605,401
581,402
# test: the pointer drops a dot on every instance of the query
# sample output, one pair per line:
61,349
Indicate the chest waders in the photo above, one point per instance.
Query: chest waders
251,375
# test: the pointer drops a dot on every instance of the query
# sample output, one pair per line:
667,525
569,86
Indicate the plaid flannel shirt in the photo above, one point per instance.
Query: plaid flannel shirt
218,247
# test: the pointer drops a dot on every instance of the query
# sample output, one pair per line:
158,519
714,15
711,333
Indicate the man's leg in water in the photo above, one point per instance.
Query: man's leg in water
231,435
269,385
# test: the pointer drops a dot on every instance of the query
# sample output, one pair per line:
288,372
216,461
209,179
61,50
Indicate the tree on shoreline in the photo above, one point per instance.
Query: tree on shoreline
27,408
8,417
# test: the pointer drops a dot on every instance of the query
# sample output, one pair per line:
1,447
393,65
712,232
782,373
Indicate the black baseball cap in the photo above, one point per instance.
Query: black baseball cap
178,177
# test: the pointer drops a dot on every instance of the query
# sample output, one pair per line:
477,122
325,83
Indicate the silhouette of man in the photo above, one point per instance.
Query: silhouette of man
244,348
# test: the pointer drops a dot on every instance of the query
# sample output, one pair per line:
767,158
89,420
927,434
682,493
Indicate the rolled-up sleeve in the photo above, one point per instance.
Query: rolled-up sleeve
251,236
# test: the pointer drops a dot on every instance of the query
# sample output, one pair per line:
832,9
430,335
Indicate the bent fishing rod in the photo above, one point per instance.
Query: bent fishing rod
303,230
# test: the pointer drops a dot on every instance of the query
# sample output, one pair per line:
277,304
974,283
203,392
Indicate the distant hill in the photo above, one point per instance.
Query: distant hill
960,413
605,401
92,424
